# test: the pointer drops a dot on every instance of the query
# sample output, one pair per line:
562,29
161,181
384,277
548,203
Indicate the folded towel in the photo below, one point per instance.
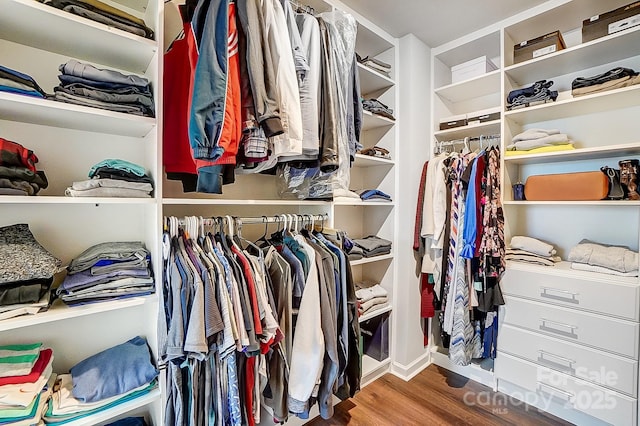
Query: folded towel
601,270
618,258
532,245
551,148
364,307
525,145
533,134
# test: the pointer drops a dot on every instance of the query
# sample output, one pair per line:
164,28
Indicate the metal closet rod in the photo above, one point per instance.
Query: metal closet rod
263,219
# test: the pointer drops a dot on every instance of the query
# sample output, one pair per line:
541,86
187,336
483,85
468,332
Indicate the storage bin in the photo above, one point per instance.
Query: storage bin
539,46
483,116
611,22
453,121
375,337
470,69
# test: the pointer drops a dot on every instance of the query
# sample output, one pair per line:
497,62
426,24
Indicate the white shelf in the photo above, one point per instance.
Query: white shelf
373,121
610,203
126,407
372,81
619,150
471,130
597,52
45,27
59,311
45,112
366,260
571,107
364,203
370,161
564,269
237,202
487,84
375,313
369,43
54,199
371,365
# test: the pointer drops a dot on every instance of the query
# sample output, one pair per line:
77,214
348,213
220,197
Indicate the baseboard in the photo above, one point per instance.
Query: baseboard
472,371
408,372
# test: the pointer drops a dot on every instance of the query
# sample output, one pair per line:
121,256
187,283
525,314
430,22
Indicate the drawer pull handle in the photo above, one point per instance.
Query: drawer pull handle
544,354
544,325
564,294
567,396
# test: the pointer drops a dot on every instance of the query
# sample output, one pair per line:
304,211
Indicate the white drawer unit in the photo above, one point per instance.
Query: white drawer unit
609,334
608,295
545,386
601,368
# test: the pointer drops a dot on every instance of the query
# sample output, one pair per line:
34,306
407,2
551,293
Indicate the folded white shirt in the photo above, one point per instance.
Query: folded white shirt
368,293
364,307
65,403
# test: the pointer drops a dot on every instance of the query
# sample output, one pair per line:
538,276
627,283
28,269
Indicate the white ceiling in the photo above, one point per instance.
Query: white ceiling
437,21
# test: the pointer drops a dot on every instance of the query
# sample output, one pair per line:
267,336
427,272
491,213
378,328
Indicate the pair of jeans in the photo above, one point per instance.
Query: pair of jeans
89,72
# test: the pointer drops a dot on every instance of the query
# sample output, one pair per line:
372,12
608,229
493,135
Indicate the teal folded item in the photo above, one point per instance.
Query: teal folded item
53,420
114,371
118,164
13,415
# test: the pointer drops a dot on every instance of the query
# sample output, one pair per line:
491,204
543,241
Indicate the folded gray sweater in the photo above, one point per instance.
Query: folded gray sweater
618,258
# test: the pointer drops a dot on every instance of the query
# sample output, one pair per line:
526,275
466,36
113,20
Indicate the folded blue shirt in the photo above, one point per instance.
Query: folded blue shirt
114,163
129,421
114,371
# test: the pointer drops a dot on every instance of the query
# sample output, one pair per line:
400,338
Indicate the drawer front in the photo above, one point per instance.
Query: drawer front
548,386
602,296
609,334
601,368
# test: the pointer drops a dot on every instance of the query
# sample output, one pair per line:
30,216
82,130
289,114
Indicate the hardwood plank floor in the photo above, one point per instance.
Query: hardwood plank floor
435,397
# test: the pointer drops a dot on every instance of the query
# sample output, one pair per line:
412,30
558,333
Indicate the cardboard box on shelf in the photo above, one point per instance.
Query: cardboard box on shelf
539,46
611,22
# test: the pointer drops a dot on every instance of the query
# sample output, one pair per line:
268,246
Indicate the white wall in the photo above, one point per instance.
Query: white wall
415,103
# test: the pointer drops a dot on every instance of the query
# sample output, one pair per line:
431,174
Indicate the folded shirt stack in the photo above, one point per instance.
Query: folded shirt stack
108,271
540,138
103,381
604,259
114,178
373,246
531,250
370,297
103,13
615,78
374,106
12,81
26,272
373,195
538,92
18,174
26,379
84,84
375,64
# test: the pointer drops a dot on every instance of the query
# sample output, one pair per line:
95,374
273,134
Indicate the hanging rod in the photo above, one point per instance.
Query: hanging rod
262,219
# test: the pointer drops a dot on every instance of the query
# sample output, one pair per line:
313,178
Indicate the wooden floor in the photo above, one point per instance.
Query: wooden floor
434,397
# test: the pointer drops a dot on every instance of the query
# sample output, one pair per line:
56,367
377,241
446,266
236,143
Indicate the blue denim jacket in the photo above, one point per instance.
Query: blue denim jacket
211,28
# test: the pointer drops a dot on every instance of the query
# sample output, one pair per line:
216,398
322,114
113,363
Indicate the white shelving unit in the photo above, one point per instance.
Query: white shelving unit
68,139
604,129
